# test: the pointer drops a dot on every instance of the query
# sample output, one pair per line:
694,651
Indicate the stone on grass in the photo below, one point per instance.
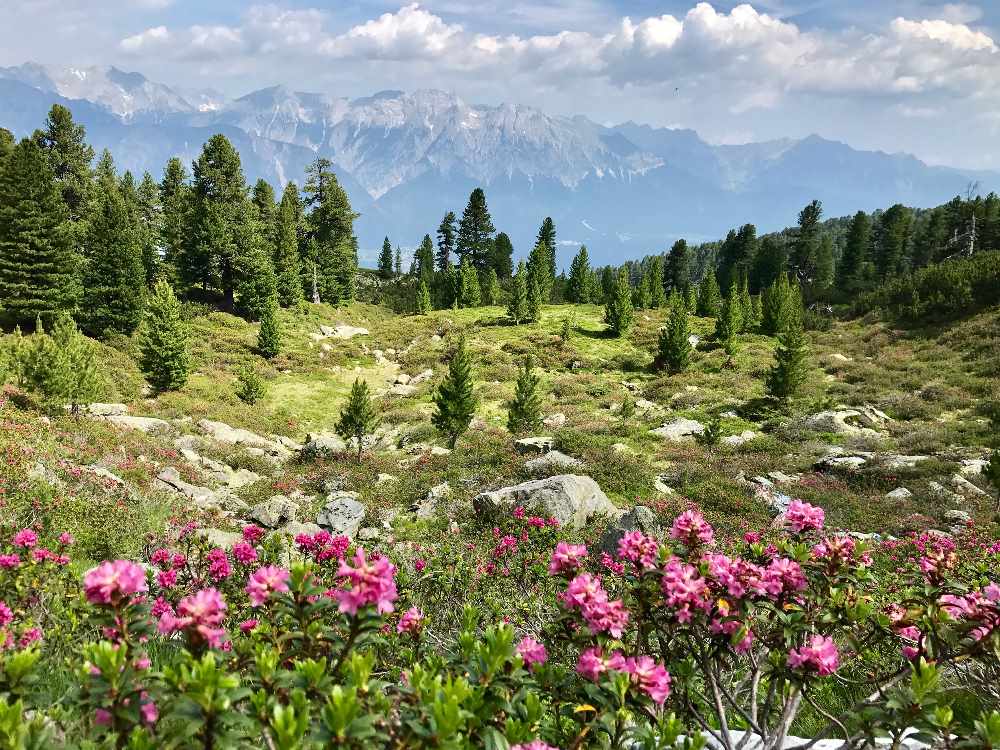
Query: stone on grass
540,445
275,512
552,461
965,487
554,420
972,467
640,518
342,514
660,484
219,537
229,435
149,425
900,493
400,389
105,410
430,504
737,440
839,422
679,430
571,499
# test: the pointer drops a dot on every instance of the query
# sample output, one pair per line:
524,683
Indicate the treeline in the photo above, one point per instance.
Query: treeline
81,239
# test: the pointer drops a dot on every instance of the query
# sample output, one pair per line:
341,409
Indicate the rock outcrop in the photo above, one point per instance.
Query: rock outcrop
571,499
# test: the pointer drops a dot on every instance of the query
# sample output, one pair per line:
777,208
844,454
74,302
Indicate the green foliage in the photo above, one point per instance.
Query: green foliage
269,333
538,268
778,306
579,290
517,304
60,367
618,314
709,297
492,294
991,473
474,241
790,369
358,418
469,294
446,237
287,265
423,303
385,260
533,305
164,341
454,400
524,412
674,347
730,321
250,386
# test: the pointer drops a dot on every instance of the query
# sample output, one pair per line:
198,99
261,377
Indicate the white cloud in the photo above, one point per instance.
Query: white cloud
146,40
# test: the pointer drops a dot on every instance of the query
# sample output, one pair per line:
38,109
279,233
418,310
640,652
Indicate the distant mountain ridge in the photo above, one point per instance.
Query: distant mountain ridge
408,157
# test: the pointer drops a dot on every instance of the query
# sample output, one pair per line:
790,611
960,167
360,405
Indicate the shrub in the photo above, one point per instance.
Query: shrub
250,386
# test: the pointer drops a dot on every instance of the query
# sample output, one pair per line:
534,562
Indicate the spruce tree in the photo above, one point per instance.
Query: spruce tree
269,334
423,304
454,400
746,307
149,226
517,305
385,260
618,313
423,260
533,307
776,303
175,203
579,277
677,274
524,412
329,237
790,367
475,231
657,292
492,294
69,157
547,238
267,214
709,296
850,273
756,313
538,270
674,347
805,246
691,298
164,341
446,237
62,368
250,386
641,295
114,277
358,417
38,266
470,295
287,266
730,321
253,283
503,256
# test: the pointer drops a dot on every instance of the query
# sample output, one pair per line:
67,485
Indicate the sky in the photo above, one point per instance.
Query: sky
915,76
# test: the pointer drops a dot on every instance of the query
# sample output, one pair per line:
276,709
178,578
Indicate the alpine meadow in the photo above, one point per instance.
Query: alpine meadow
343,421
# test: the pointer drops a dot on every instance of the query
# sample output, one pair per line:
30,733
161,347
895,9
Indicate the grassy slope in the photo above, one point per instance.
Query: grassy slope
934,382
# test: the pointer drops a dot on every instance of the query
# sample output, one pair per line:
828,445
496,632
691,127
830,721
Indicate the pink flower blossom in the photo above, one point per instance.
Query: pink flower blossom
247,625
592,663
820,655
370,583
253,534
802,516
102,717
200,616
9,561
66,539
160,557
685,589
752,537
244,553
29,636
601,615
6,615
652,678
411,622
566,558
265,581
149,712
533,745
166,579
691,528
25,538
419,565
218,564
110,581
642,550
531,652
160,606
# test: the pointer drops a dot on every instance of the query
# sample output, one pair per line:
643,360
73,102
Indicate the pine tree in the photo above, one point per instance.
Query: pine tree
618,309
267,214
164,341
730,321
38,267
269,334
776,306
746,307
358,417
423,260
287,266
533,307
677,274
114,277
642,294
709,296
470,295
770,263
691,298
454,399
503,256
805,246
547,238
385,260
446,236
657,292
492,294
892,236
579,277
538,269
250,386
175,202
150,226
254,283
423,304
62,366
791,367
756,313
331,246
524,412
475,231
517,305
69,157
674,347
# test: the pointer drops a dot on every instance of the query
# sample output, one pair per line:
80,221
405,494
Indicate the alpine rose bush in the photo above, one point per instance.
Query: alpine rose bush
666,644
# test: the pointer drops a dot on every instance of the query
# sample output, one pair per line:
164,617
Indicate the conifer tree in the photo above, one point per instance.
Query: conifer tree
164,341
657,292
579,277
250,386
269,334
423,304
538,270
69,156
358,418
287,268
607,283
446,237
850,273
755,313
991,473
805,247
254,283
709,296
267,214
332,256
114,278
746,307
62,366
776,306
517,305
492,294
533,307
674,347
618,313
175,202
790,367
454,400
677,273
423,260
503,256
547,238
475,231
149,222
385,260
691,298
38,266
730,321
524,412
470,295
770,263
641,295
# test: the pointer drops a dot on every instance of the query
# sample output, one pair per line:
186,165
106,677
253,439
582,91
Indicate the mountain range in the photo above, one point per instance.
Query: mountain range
406,158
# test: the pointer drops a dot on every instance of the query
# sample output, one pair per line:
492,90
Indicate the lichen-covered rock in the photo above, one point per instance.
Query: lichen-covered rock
274,512
679,430
552,461
571,499
538,445
342,514
640,518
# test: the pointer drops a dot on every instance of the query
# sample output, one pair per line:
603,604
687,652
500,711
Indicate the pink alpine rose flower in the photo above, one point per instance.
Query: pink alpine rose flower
652,678
531,652
802,516
820,655
412,621
370,583
109,582
533,745
25,538
691,528
265,581
567,558
592,663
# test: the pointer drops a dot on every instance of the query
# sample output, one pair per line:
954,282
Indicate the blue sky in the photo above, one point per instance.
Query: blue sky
912,75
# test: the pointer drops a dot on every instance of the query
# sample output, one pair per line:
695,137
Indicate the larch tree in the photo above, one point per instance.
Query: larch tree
454,400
